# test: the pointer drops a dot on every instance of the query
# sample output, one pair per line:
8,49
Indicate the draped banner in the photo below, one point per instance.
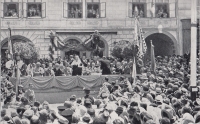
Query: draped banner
65,82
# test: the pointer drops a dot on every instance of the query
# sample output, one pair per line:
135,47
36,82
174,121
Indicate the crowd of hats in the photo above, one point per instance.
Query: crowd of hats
162,97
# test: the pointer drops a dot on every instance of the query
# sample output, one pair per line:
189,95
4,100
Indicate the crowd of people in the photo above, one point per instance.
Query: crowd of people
160,97
73,65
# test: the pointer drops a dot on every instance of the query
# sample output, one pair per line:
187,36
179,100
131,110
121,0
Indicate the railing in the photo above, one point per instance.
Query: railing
101,23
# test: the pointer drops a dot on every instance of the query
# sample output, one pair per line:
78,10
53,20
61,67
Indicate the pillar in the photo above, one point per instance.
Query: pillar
193,43
84,8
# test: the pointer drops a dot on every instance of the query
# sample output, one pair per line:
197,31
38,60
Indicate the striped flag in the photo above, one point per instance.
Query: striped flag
10,50
134,73
153,62
139,39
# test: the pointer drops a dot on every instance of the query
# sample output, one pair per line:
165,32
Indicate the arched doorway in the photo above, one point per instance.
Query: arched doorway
22,45
163,44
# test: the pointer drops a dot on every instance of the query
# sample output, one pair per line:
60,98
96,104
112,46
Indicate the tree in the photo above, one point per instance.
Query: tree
117,52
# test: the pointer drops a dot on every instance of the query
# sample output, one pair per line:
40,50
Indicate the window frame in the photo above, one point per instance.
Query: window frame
145,8
18,7
27,3
168,8
94,3
68,11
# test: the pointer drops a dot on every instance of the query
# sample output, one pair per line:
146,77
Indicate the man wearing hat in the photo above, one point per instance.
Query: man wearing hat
30,94
67,113
20,90
87,95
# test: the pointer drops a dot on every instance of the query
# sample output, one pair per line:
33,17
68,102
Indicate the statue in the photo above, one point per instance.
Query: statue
93,44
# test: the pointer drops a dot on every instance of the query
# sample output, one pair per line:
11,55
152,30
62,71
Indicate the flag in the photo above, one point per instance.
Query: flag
136,32
139,39
10,50
134,73
18,73
153,62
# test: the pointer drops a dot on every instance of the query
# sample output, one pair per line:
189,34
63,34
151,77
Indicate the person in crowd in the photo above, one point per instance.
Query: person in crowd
38,70
77,66
72,12
49,71
57,71
162,97
30,94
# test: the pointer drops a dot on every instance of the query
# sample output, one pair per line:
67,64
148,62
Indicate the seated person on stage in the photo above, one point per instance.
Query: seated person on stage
57,70
49,71
76,66
67,69
38,71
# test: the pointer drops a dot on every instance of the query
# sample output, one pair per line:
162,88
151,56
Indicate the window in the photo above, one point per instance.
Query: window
165,8
33,9
72,9
162,10
137,8
152,8
95,9
10,10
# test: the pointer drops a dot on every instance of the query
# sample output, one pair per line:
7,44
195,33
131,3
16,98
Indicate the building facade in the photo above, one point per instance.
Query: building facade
165,22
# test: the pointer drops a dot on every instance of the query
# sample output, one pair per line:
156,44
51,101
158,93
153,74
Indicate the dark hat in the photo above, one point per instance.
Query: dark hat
113,82
79,101
119,109
67,112
196,108
10,85
6,118
134,104
86,119
97,102
61,108
122,77
166,101
106,78
91,112
36,104
153,104
123,103
178,94
3,112
145,88
168,113
197,117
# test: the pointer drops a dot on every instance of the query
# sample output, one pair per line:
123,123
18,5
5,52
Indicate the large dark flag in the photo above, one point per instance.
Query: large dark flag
153,62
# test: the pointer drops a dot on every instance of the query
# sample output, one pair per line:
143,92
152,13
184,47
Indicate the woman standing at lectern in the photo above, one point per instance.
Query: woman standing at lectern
76,66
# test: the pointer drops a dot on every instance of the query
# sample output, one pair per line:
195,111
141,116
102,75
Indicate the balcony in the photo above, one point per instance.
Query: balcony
101,23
